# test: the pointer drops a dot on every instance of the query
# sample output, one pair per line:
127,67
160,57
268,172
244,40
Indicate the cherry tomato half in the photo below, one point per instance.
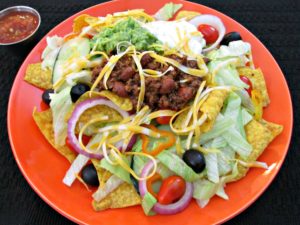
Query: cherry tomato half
247,81
171,190
210,34
163,120
85,141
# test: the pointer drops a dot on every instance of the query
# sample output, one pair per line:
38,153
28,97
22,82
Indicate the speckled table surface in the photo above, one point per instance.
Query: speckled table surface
274,22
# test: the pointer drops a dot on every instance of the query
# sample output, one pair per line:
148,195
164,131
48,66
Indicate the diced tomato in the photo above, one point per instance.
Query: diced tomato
171,190
247,81
85,141
163,120
44,106
210,34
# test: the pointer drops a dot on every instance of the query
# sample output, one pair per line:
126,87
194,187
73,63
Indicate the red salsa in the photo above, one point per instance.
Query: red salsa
15,26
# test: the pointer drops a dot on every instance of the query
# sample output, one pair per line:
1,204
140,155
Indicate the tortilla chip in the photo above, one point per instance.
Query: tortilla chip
123,103
38,77
212,106
259,135
188,15
44,122
258,82
275,129
124,196
82,21
180,119
103,175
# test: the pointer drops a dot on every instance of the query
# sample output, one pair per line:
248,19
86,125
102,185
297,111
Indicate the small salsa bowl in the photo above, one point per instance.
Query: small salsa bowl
14,16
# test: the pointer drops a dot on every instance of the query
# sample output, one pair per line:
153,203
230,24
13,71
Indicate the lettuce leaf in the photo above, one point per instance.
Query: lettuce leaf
83,76
178,166
50,53
211,161
117,169
60,104
234,49
167,11
111,184
148,202
222,124
204,189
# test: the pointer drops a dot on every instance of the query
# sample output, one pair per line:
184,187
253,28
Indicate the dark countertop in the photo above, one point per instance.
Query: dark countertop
274,22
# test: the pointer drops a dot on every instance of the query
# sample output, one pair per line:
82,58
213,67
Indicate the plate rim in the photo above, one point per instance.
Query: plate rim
73,218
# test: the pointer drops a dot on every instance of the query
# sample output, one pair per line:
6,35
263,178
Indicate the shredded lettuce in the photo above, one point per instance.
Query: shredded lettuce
237,142
111,184
218,142
226,59
60,104
178,166
228,75
139,161
224,162
204,189
232,109
211,160
221,192
234,49
75,168
83,76
117,169
167,11
148,202
246,100
50,53
230,126
246,116
202,203
221,125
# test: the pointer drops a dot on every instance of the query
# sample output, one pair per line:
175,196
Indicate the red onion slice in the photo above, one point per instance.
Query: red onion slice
173,208
211,20
78,111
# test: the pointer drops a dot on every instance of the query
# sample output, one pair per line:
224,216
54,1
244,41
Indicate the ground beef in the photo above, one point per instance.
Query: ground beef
171,91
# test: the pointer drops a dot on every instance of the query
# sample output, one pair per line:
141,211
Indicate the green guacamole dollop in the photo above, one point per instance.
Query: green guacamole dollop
126,30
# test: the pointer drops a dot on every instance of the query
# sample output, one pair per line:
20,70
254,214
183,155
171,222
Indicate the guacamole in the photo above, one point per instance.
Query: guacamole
126,30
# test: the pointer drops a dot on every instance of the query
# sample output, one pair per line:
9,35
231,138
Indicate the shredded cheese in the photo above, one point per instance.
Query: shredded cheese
85,126
133,128
142,80
194,72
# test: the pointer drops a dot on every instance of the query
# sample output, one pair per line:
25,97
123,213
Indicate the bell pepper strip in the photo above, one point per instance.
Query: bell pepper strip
151,181
162,146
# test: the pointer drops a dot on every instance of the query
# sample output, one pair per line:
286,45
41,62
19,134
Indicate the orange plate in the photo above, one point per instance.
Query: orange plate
44,168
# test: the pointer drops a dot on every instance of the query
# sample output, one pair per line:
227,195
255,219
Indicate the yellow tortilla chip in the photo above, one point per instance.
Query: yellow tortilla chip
123,103
259,135
124,196
212,107
275,129
38,77
82,21
258,82
44,122
180,119
188,15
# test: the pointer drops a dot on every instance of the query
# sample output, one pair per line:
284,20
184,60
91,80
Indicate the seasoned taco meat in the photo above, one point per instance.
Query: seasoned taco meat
171,91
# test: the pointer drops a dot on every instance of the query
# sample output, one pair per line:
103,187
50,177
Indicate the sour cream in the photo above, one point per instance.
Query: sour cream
175,33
